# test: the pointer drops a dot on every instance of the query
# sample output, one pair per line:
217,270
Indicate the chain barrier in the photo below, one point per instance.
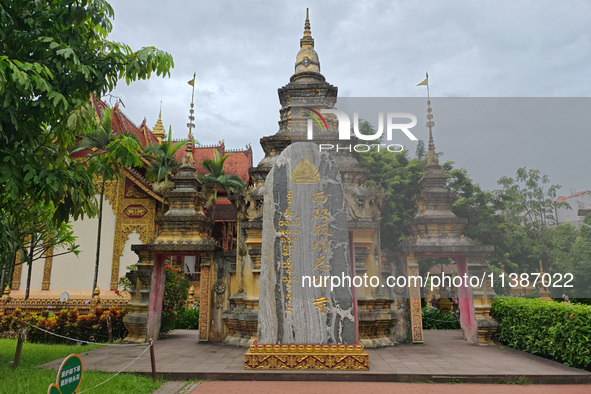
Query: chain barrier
88,342
124,368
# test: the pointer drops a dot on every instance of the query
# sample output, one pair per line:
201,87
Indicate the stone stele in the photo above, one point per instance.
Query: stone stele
305,235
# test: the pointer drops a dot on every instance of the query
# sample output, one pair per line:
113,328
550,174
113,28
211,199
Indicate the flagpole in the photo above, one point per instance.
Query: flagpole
192,111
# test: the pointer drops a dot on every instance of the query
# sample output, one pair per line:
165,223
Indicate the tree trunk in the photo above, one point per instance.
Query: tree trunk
2,280
98,239
30,269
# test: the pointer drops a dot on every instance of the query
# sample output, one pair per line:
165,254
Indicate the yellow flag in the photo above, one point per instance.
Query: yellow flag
424,83
192,81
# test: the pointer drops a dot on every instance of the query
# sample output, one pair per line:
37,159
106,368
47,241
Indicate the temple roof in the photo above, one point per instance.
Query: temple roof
238,163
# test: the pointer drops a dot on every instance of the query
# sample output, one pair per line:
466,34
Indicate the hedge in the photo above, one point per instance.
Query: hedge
558,331
92,327
435,319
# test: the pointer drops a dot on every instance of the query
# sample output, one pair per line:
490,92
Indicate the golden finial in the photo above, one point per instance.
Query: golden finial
191,125
6,295
97,293
431,155
307,58
188,159
158,130
307,39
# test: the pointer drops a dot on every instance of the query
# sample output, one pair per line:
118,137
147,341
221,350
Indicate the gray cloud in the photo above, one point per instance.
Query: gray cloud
244,50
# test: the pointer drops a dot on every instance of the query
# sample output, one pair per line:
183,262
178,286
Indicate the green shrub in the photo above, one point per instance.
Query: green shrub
92,327
434,319
189,319
559,331
175,297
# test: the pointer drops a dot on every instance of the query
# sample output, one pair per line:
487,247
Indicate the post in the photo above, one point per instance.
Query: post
110,328
19,348
152,359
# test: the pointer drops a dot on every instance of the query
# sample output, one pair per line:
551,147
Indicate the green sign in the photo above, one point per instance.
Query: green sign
69,376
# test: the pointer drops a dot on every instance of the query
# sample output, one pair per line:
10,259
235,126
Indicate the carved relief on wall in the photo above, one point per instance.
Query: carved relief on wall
364,202
204,304
134,192
135,211
47,269
16,275
110,192
254,202
416,317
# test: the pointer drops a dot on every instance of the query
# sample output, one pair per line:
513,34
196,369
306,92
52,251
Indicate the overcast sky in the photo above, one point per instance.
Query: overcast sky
244,50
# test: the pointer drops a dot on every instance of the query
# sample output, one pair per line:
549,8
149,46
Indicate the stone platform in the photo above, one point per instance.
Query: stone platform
444,357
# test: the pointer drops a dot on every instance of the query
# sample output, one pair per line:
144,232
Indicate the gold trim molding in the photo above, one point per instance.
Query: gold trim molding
125,225
47,269
314,357
204,304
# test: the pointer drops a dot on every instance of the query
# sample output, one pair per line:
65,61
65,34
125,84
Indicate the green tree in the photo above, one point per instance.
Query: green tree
163,163
216,178
529,203
572,255
399,175
43,240
109,153
53,55
420,151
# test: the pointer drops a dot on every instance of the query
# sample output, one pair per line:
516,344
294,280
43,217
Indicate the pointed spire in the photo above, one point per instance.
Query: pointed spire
307,39
158,130
307,59
191,125
433,177
432,159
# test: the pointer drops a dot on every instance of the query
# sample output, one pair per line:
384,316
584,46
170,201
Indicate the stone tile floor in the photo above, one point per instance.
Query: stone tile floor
380,388
443,357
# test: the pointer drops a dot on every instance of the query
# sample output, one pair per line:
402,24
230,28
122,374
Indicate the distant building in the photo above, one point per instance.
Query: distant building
570,212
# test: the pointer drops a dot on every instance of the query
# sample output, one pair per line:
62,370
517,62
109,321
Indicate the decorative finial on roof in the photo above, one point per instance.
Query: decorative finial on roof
432,159
307,39
158,130
188,159
191,125
307,58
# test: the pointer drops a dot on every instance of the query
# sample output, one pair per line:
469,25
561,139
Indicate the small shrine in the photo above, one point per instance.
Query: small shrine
437,232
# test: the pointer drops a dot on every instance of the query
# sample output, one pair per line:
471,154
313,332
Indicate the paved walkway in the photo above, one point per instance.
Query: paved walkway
380,388
443,358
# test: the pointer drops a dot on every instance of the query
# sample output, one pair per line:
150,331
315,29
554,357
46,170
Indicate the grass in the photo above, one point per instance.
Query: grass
28,378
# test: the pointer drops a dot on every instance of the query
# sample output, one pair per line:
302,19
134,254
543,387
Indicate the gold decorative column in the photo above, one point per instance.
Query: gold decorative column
47,269
18,269
204,299
416,317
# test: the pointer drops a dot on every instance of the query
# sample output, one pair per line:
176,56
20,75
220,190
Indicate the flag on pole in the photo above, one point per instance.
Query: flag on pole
425,82
192,81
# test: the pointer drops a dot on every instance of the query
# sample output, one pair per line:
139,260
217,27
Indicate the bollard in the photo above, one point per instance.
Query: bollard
153,359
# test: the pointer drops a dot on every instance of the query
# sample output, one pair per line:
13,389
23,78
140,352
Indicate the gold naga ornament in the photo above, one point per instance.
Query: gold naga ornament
305,172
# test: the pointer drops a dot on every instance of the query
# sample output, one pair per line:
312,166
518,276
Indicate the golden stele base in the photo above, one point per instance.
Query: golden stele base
317,357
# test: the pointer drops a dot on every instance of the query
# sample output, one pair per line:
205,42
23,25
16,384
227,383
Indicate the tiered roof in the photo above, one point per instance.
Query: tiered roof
239,162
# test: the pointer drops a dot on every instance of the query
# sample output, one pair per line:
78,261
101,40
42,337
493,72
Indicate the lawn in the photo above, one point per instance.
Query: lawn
28,378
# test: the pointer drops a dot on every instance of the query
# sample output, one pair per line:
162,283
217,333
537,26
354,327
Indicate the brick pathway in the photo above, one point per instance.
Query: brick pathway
443,357
380,388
